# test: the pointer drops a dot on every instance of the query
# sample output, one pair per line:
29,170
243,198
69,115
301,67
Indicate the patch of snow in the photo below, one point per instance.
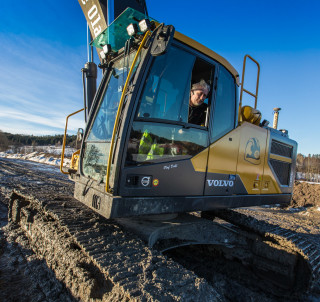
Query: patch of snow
50,155
310,182
296,210
277,205
306,213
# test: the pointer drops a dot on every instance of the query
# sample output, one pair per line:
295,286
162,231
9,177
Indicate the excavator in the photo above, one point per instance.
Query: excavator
143,164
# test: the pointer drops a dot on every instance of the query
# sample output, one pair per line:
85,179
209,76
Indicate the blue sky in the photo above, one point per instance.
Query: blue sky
43,48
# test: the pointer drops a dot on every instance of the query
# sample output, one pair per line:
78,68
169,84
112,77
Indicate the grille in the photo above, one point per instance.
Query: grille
281,149
282,170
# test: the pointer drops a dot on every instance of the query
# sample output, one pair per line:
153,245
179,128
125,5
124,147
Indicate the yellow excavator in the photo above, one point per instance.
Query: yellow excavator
142,161
141,155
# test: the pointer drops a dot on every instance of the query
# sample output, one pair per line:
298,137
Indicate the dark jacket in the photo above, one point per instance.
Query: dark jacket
197,115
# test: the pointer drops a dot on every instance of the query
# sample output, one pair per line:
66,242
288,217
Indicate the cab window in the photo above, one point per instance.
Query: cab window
162,130
97,143
152,142
224,110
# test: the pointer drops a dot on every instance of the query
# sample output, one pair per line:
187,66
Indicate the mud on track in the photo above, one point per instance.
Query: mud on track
68,253
93,258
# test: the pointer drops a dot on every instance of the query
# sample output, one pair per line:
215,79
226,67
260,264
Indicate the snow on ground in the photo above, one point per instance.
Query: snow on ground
50,155
312,177
310,182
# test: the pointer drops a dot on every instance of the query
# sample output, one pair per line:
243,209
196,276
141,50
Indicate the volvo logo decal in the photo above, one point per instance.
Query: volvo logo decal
220,183
145,181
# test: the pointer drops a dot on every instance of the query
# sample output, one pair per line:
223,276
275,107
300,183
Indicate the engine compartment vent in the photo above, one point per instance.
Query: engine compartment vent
282,170
281,149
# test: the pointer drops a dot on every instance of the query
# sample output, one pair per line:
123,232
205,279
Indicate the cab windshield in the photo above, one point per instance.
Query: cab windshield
98,139
164,129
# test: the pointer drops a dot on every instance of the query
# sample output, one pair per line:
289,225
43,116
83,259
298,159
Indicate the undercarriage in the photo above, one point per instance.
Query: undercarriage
207,258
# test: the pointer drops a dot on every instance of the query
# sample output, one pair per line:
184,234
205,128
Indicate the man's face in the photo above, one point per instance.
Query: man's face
197,97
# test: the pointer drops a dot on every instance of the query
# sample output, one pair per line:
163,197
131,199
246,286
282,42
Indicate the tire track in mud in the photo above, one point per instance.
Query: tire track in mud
23,275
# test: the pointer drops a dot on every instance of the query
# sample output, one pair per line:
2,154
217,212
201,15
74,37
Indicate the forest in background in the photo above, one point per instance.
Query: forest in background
308,166
13,141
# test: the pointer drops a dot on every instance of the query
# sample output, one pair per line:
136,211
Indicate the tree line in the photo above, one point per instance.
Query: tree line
17,140
308,165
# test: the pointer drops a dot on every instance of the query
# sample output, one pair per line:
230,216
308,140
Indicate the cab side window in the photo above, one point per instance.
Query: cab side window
225,105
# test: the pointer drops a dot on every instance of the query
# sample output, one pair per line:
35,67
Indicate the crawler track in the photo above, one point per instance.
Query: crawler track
291,240
94,257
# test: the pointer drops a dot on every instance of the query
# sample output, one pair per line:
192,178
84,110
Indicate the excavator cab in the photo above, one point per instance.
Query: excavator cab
140,153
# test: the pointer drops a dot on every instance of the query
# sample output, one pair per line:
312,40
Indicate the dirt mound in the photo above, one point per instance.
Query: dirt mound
305,195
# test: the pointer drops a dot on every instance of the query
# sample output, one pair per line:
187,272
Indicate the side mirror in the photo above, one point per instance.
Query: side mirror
79,136
162,40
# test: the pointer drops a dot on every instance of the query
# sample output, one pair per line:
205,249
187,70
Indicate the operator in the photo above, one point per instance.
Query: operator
197,108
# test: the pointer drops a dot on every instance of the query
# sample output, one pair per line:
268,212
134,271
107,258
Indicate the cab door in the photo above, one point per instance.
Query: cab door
161,141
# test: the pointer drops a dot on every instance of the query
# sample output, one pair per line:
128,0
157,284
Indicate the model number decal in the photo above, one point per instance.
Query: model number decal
220,183
94,17
168,167
96,201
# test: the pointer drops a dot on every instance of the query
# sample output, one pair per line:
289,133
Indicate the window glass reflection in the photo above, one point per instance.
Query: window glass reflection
167,89
153,142
225,105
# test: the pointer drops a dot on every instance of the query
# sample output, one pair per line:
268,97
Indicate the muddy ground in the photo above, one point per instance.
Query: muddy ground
306,195
29,272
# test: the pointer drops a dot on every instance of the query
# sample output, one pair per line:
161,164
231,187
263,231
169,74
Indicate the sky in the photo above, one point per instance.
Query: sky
43,48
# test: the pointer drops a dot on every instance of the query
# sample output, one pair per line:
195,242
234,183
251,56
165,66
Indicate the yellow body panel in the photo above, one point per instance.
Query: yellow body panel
223,154
244,152
251,157
199,162
281,158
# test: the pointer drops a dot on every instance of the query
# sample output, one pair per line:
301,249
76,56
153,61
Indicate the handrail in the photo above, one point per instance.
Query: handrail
147,34
255,95
65,139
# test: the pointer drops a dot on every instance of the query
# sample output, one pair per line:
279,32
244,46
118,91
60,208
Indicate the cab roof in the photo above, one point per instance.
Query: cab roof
116,35
208,52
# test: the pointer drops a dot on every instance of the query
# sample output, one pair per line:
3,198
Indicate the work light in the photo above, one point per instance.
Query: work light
102,55
132,29
106,48
144,25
